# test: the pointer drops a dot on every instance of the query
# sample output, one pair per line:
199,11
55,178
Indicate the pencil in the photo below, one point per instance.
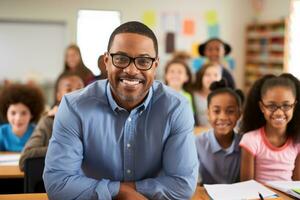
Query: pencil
260,196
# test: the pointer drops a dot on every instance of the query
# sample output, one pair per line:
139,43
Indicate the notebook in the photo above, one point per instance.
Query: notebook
9,159
289,187
238,191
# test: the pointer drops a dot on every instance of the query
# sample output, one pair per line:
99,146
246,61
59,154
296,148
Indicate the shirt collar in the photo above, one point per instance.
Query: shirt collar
215,146
115,107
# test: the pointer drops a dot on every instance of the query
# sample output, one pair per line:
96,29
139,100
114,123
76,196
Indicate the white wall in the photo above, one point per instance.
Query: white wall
233,16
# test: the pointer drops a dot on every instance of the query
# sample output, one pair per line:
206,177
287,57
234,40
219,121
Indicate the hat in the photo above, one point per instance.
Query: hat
202,47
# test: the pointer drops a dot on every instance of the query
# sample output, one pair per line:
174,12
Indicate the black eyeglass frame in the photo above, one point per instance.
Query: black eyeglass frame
132,59
290,106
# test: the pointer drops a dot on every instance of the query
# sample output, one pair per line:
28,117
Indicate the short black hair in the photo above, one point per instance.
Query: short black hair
134,27
254,119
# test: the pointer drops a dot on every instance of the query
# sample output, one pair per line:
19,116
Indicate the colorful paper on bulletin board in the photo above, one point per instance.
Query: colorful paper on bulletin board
188,27
213,31
170,22
149,18
211,17
195,52
170,42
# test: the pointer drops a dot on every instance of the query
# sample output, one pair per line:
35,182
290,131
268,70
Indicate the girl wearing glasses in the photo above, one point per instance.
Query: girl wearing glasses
270,145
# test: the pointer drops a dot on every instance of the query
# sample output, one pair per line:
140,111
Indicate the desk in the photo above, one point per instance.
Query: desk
36,196
10,171
199,129
201,194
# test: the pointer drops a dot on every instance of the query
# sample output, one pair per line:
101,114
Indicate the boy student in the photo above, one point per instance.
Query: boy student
127,137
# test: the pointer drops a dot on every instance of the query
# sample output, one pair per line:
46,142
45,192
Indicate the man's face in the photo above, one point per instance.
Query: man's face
130,85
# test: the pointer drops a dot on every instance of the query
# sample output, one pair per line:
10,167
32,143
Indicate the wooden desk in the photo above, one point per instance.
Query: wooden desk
201,194
36,196
199,129
10,171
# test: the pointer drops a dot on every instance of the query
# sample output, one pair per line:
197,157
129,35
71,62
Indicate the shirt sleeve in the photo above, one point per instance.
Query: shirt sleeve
249,142
63,176
37,144
180,163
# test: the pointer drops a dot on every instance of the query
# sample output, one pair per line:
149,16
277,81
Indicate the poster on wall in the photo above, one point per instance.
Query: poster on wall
170,42
188,27
149,18
211,20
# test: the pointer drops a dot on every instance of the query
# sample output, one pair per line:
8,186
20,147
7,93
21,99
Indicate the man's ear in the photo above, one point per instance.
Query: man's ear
106,59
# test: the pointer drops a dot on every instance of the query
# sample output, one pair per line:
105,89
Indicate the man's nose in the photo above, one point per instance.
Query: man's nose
131,69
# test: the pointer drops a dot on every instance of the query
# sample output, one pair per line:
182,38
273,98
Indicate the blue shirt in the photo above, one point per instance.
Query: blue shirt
96,144
218,165
9,141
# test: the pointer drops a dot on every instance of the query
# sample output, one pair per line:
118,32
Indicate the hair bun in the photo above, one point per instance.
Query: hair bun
218,84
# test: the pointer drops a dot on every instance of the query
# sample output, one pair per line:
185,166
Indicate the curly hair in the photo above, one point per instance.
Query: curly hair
188,84
30,96
253,117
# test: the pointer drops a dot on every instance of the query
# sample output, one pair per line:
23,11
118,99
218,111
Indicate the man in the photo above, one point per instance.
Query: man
128,137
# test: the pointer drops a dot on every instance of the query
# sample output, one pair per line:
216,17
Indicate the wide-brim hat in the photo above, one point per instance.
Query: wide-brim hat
202,47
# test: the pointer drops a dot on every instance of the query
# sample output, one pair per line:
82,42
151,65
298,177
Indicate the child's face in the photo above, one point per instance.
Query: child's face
176,75
73,58
18,116
211,74
223,113
214,51
278,96
67,85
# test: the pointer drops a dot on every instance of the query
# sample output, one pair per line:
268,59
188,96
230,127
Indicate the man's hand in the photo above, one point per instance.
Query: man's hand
128,192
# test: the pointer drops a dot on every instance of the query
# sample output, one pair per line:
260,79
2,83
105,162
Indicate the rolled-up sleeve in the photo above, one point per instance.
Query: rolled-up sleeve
180,164
63,176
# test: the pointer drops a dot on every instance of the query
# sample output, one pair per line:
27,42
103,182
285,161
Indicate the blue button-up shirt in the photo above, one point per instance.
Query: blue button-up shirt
96,144
218,165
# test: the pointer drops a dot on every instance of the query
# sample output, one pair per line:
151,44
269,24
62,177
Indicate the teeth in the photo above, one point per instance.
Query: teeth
279,119
131,82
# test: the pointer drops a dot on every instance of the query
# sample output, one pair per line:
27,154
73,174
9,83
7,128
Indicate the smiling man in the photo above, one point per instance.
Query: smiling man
128,137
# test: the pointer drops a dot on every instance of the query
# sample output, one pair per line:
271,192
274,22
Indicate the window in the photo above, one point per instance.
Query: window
93,30
294,39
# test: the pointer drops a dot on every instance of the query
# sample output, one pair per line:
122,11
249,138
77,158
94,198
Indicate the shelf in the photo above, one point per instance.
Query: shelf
264,50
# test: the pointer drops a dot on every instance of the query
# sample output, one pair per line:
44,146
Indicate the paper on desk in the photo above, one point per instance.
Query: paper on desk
289,187
238,191
9,159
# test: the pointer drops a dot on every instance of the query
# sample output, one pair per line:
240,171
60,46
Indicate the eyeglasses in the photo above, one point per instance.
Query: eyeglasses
122,61
273,107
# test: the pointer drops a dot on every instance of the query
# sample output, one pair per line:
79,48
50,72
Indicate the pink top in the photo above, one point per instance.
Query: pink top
271,163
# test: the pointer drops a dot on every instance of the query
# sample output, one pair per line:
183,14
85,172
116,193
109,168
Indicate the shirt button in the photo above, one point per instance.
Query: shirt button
128,171
129,119
128,145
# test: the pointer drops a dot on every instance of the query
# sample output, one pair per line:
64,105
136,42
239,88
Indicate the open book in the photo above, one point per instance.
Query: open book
289,187
237,191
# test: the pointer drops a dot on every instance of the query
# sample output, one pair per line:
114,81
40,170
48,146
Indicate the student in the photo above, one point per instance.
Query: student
21,106
37,144
214,50
179,77
102,68
208,74
74,63
125,137
270,145
218,148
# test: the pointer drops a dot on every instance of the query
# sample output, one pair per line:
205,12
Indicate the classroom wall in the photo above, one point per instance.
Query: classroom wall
233,15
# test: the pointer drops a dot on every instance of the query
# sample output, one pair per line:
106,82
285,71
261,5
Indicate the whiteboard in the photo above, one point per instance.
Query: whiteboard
31,50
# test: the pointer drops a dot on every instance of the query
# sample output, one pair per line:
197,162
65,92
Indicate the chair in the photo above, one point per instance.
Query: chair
33,172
